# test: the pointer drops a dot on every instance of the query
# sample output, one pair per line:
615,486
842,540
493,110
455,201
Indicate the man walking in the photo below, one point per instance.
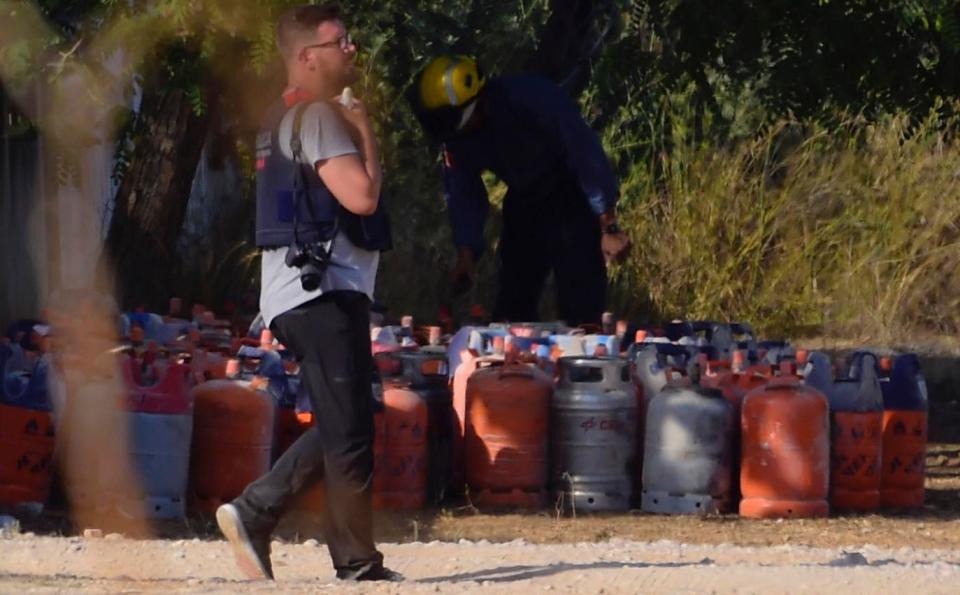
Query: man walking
318,223
559,214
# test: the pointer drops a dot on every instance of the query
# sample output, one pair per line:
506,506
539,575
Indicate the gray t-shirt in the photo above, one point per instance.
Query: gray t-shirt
324,136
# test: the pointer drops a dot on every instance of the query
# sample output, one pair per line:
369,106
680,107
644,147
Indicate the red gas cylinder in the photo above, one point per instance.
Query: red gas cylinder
785,443
233,425
508,409
904,434
400,473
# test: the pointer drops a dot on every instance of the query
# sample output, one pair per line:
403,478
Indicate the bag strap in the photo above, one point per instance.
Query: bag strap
299,179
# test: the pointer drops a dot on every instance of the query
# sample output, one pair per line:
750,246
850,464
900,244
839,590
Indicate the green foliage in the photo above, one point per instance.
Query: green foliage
749,189
785,161
126,122
197,101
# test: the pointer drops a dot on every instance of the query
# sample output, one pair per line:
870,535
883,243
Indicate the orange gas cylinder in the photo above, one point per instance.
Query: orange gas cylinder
313,499
400,470
469,363
743,381
733,383
508,409
753,379
857,458
26,429
26,444
386,365
726,377
904,434
233,423
735,380
736,383
209,366
785,442
379,459
856,411
288,429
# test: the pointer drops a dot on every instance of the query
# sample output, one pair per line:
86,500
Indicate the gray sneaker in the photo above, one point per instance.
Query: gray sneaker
251,551
370,572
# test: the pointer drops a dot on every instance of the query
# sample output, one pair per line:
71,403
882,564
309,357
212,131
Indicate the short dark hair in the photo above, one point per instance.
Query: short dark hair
301,22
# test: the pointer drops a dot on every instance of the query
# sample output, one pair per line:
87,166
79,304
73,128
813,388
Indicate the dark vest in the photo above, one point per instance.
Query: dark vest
318,212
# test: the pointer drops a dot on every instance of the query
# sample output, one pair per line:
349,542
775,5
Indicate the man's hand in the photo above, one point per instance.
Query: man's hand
358,121
615,247
355,180
464,272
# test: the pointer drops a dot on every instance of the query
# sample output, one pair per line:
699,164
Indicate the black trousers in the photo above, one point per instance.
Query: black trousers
330,337
560,233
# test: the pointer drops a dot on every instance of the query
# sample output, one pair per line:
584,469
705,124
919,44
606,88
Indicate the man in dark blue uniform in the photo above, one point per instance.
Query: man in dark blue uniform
559,214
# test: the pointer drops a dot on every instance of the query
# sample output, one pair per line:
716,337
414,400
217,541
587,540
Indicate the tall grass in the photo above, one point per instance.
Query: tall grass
850,229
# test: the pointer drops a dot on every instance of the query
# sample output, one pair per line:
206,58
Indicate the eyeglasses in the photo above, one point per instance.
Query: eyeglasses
342,43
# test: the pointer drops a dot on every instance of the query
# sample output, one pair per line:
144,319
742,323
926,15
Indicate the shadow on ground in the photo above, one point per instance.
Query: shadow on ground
507,574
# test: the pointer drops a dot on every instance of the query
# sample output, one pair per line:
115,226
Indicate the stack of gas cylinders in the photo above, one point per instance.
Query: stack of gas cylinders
689,418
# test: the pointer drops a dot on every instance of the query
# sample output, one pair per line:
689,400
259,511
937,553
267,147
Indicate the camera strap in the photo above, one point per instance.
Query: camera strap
300,181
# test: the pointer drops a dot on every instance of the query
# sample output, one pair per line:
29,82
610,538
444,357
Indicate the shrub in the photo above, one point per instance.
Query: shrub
850,228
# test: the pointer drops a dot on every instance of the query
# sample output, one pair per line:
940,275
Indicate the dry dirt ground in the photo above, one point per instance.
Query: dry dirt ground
48,564
460,550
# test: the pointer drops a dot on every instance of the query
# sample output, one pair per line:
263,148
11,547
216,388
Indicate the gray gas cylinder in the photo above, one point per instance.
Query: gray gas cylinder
160,452
687,451
593,434
857,392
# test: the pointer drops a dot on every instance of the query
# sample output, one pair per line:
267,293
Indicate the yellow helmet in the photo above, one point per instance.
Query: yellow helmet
449,81
444,94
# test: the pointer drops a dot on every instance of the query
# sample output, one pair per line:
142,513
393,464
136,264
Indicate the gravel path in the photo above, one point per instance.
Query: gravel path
113,564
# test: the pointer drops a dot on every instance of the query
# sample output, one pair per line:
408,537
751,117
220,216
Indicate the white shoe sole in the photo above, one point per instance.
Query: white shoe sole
228,519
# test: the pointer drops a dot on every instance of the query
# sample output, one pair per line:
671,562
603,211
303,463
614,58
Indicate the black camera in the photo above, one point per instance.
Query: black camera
312,259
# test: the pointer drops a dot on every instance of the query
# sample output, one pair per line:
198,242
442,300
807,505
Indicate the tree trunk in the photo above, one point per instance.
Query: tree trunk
152,198
572,38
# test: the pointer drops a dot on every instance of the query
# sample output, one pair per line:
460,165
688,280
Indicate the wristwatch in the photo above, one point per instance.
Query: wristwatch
610,228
